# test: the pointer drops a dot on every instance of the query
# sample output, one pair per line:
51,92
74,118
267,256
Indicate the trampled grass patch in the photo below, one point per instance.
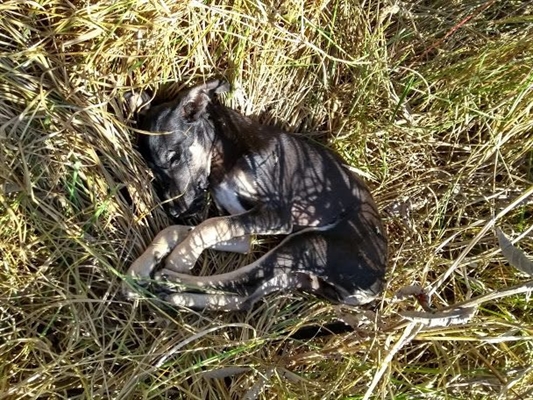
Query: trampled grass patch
430,101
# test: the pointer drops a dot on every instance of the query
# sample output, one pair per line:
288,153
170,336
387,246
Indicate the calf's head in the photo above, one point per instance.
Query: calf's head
177,145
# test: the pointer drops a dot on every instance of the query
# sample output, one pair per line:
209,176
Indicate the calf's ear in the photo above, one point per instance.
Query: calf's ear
216,87
196,101
137,102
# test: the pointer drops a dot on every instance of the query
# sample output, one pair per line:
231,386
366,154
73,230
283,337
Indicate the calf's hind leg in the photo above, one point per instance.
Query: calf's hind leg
296,263
233,302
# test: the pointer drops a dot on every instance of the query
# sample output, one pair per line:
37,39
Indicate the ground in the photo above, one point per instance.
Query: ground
429,101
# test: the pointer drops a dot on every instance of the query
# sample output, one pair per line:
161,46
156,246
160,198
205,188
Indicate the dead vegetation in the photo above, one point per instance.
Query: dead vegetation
431,101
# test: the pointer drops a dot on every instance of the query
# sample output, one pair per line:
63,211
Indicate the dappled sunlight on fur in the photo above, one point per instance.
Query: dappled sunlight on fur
272,183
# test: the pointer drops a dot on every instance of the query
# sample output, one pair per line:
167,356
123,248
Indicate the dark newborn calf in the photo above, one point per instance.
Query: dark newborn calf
270,183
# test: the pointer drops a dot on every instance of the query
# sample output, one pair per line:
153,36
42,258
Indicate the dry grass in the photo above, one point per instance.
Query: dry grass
431,100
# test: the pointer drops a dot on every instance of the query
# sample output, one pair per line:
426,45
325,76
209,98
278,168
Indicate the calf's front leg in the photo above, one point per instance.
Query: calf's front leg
142,267
210,233
164,242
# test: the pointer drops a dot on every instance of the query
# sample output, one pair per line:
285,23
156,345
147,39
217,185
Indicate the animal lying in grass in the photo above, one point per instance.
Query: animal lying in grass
270,183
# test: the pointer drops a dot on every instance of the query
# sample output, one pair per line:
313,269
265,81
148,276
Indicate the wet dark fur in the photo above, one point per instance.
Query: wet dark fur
271,183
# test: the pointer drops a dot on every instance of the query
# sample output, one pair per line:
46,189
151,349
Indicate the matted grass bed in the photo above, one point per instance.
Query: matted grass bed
430,101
